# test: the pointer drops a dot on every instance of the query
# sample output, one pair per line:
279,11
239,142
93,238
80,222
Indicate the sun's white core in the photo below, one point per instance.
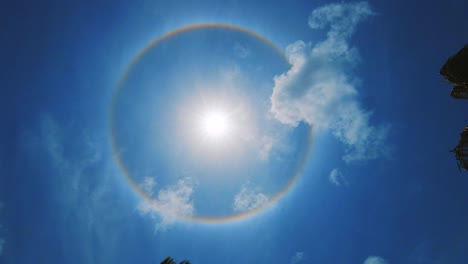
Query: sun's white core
215,124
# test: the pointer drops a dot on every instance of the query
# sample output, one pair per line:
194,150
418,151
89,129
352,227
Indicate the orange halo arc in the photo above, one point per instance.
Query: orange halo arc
200,219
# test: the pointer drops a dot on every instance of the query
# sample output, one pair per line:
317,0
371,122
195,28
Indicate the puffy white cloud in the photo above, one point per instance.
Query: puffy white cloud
319,88
336,177
171,203
298,257
375,260
249,199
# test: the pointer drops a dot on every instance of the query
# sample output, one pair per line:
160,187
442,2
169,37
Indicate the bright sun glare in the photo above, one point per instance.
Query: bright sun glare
215,124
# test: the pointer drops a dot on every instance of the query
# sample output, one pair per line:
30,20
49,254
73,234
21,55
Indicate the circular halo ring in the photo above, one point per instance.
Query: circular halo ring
297,173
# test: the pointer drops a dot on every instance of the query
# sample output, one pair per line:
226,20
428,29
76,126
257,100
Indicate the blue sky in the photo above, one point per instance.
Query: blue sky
379,185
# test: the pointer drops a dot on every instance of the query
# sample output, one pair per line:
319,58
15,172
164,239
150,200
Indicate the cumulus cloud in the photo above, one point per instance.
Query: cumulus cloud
321,90
298,257
248,199
375,260
170,204
336,177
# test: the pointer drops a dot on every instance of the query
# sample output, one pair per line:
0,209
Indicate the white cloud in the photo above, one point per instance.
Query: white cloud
298,257
265,147
341,17
319,88
375,260
249,199
336,177
148,185
171,203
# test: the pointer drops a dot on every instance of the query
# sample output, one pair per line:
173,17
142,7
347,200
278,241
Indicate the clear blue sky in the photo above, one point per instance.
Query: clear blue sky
379,185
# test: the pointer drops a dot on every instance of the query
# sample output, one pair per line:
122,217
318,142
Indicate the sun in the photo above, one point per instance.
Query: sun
215,124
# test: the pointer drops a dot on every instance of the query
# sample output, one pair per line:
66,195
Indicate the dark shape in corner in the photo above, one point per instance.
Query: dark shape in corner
461,150
455,70
170,260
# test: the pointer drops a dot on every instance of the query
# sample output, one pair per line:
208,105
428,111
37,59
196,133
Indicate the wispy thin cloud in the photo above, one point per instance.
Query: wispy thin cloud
241,50
148,185
321,90
426,253
170,204
266,147
298,257
81,174
337,178
249,198
56,141
375,260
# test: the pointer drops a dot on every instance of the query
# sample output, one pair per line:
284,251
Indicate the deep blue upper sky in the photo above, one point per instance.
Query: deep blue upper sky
63,199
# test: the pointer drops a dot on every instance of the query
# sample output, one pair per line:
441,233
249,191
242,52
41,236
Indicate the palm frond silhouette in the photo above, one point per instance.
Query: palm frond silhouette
170,260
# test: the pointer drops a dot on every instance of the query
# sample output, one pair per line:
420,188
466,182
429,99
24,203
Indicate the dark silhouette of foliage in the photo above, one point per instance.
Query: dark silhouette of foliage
461,150
170,260
455,70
